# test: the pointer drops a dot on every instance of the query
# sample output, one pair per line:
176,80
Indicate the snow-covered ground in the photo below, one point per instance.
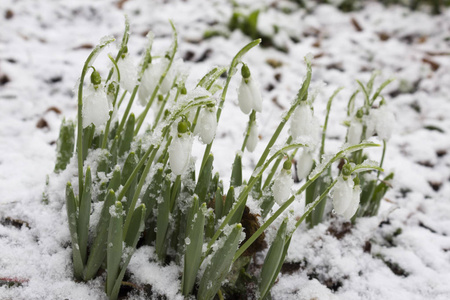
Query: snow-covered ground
404,253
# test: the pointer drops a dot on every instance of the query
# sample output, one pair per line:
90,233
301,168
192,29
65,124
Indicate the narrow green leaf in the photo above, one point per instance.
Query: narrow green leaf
162,222
204,179
217,269
194,244
382,86
131,240
114,249
128,168
84,215
114,183
208,80
65,145
236,172
366,95
128,135
175,191
273,260
88,136
72,209
218,204
153,191
98,248
229,200
351,103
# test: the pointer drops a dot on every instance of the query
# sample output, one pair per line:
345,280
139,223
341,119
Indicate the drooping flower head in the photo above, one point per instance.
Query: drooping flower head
345,194
128,71
95,103
305,125
381,121
249,94
180,148
207,124
283,183
355,130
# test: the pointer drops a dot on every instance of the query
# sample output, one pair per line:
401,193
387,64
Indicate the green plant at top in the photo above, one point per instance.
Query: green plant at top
141,182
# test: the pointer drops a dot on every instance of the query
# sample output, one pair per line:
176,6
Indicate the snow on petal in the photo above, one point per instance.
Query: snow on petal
207,125
342,194
304,164
95,108
354,203
282,186
301,121
354,133
128,72
253,137
245,97
149,81
383,120
180,153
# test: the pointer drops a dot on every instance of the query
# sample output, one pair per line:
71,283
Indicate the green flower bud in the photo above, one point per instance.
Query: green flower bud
356,180
111,88
183,90
359,113
96,79
287,165
245,71
183,127
347,170
160,97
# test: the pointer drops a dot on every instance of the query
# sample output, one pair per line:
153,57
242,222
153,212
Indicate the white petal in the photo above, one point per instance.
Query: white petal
385,122
128,73
354,133
207,124
253,138
148,84
95,108
302,121
180,154
354,204
342,194
304,165
245,97
256,94
282,187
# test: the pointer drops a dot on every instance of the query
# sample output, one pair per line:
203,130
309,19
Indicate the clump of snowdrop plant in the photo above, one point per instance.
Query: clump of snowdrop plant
141,184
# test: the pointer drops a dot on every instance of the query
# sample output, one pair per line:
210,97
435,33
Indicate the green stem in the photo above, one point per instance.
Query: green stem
325,125
127,110
86,66
251,120
382,158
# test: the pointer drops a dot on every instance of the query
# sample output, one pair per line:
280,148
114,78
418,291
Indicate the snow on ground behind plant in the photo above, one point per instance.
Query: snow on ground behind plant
42,48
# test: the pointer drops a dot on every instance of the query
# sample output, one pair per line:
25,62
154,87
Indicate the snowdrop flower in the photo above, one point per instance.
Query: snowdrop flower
304,164
95,104
150,80
207,124
354,132
304,124
180,149
249,95
354,203
128,73
283,183
342,194
345,194
253,137
381,121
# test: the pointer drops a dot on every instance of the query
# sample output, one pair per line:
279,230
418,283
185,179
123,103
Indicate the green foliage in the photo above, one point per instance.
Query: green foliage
144,188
